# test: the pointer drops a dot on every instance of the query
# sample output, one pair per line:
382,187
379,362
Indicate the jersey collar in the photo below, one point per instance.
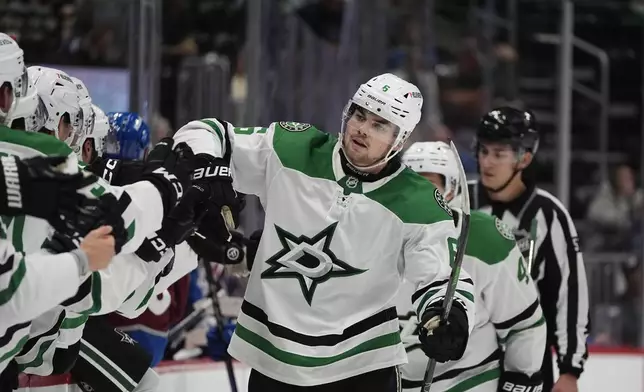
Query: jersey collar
354,182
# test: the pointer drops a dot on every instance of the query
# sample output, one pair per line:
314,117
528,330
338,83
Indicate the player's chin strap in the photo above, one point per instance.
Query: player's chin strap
390,168
505,184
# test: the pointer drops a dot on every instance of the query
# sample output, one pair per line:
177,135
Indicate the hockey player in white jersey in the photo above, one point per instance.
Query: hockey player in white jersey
31,284
509,321
158,191
34,283
344,222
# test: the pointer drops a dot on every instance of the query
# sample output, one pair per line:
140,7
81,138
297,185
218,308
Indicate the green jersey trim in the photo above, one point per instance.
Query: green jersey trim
409,196
387,340
486,242
309,151
14,281
45,144
479,379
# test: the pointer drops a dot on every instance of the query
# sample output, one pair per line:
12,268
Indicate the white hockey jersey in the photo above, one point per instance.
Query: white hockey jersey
508,316
29,286
143,212
320,302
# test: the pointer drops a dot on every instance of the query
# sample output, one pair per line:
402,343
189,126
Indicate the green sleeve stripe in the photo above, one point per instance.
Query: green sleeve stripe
145,300
218,132
426,297
466,294
14,282
97,290
510,334
73,322
14,351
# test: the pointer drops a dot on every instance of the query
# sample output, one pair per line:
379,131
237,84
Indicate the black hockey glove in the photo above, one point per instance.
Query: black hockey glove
211,190
519,382
36,187
213,179
61,243
217,251
446,342
169,169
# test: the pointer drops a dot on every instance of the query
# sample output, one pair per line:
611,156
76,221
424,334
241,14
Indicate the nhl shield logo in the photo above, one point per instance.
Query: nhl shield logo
352,182
440,200
294,126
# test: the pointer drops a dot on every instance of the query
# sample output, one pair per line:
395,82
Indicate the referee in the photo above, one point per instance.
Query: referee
506,141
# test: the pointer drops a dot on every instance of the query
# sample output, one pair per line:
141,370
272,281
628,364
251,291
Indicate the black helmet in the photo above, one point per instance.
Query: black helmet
512,126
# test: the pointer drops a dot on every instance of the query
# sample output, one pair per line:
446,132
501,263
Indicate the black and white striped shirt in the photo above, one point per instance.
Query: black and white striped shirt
558,267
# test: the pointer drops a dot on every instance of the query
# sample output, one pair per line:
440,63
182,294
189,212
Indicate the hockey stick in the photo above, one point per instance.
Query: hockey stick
189,322
213,289
533,242
456,268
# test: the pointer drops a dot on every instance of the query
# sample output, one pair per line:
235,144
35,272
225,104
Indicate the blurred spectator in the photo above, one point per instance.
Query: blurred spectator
615,207
178,42
324,17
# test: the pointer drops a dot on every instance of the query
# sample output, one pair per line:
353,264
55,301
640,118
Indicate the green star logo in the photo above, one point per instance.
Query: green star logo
308,260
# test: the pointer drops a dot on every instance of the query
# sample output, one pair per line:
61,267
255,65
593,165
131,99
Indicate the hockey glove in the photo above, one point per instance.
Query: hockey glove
168,169
213,176
446,341
36,187
519,382
217,251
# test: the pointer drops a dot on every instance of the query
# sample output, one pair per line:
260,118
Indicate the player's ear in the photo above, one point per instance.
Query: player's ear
88,146
526,160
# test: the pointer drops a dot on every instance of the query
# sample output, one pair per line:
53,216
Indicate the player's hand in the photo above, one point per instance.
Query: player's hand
98,245
39,188
566,383
169,168
444,341
514,381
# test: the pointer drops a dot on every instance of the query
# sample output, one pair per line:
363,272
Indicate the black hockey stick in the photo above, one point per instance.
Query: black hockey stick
456,268
213,289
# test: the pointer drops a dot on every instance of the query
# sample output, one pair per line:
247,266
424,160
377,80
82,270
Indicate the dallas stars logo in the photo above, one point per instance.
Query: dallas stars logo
125,338
309,260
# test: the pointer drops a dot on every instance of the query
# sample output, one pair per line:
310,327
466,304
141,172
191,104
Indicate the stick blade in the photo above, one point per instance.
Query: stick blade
465,196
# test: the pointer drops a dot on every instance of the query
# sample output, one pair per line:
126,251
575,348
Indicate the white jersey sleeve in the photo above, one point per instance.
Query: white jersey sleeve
250,149
512,301
32,284
428,255
141,210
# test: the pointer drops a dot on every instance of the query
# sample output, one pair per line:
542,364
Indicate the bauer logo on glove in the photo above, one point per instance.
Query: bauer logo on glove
212,171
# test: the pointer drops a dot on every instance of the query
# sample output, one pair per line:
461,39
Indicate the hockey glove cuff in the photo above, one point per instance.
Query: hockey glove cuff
168,169
446,341
222,252
37,187
520,382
